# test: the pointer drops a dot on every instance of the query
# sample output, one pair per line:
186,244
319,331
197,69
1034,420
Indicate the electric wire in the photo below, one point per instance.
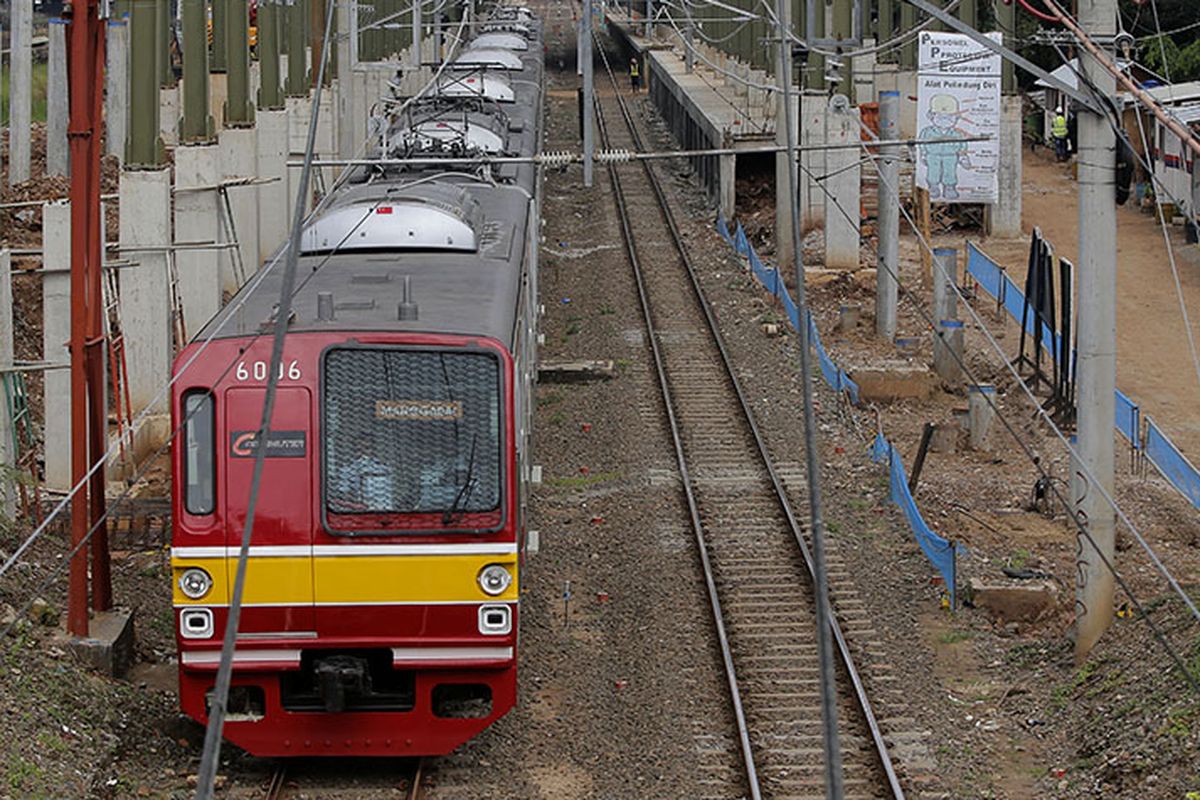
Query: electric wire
218,700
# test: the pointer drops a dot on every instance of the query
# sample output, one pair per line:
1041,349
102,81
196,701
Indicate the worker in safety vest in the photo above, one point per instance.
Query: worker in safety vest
635,76
1060,132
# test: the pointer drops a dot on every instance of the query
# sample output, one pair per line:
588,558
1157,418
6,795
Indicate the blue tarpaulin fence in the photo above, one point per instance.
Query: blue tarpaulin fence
996,282
1155,445
941,553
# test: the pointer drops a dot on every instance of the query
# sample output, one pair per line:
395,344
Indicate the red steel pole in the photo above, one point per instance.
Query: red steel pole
85,71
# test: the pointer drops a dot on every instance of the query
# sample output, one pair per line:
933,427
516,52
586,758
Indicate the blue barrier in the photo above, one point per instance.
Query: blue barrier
997,283
1173,464
1128,419
723,229
740,242
943,554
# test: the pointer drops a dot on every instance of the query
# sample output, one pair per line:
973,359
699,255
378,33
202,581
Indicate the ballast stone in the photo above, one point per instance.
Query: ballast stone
108,647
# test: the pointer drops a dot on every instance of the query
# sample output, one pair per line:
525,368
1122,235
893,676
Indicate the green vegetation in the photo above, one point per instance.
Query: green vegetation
577,481
39,93
954,637
1019,558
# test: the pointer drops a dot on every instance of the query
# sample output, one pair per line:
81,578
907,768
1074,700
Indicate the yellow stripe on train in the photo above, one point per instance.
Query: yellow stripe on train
364,579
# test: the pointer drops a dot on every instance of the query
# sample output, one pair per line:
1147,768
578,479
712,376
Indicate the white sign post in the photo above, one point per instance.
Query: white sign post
958,96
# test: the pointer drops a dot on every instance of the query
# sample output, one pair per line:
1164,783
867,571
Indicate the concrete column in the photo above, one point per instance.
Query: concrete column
299,110
844,186
727,181
196,221
812,162
272,197
8,456
843,29
888,265
20,96
56,334
351,101
145,198
168,115
57,104
196,124
239,159
116,88
980,413
785,248
948,339
1097,362
297,65
144,147
1004,217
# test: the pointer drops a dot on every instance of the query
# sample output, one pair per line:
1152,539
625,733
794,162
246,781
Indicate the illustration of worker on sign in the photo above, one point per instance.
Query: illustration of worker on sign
942,159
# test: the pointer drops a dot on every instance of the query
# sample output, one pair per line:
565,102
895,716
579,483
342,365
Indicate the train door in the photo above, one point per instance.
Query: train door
279,586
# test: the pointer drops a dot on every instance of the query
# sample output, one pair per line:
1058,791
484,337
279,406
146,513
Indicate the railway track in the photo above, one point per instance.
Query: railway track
754,553
381,781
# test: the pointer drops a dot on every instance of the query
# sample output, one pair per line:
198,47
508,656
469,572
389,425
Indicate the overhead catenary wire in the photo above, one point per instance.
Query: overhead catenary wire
218,700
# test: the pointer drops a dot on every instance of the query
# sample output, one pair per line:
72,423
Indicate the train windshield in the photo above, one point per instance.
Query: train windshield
412,432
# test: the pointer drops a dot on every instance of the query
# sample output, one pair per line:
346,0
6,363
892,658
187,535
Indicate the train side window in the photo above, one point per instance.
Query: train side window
199,453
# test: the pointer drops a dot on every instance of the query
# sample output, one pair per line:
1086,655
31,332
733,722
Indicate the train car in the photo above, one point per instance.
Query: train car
381,610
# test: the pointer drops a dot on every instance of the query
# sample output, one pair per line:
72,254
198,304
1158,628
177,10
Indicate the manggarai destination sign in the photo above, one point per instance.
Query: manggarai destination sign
958,96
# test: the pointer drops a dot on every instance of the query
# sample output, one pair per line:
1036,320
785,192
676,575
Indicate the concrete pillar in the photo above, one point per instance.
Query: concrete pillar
168,115
56,334
8,456
145,202
844,187
272,197
727,181
196,221
326,139
785,247
218,93
57,104
1004,217
948,338
980,413
239,159
299,110
116,88
812,162
20,96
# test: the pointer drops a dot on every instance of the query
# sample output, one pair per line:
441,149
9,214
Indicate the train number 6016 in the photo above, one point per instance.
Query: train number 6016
257,370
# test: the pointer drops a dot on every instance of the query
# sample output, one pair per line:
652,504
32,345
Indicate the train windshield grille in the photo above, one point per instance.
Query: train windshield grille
411,432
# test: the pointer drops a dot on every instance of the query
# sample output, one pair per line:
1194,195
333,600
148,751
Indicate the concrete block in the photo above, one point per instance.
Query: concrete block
108,647
299,111
168,115
56,333
145,198
1015,601
272,197
196,220
899,382
812,133
727,180
218,93
116,88
980,413
239,159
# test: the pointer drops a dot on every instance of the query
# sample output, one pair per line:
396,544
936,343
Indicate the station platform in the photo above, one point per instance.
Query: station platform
717,105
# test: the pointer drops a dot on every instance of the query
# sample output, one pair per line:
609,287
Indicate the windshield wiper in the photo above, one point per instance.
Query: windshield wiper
464,492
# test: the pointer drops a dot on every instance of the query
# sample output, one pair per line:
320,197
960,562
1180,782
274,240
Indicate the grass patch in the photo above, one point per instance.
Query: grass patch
576,481
39,93
549,399
954,637
1019,558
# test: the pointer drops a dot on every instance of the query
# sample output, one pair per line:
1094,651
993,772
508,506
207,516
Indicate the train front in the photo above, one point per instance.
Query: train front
380,610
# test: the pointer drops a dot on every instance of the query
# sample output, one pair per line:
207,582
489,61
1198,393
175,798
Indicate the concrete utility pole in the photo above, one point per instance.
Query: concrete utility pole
418,34
829,729
20,95
56,100
887,291
589,109
1004,218
843,29
196,124
297,78
1097,363
649,19
689,51
784,166
238,110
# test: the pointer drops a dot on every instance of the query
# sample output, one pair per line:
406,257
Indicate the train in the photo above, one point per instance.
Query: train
381,605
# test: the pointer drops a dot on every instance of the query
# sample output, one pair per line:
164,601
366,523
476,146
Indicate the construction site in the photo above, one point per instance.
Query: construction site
843,379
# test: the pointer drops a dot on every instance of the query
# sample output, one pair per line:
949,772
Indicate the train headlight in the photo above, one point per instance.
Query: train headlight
195,583
494,579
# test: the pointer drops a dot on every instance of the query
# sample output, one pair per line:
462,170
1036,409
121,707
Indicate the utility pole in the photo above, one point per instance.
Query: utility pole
833,753
418,33
1097,363
585,55
649,19
886,287
689,51
785,167
20,96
